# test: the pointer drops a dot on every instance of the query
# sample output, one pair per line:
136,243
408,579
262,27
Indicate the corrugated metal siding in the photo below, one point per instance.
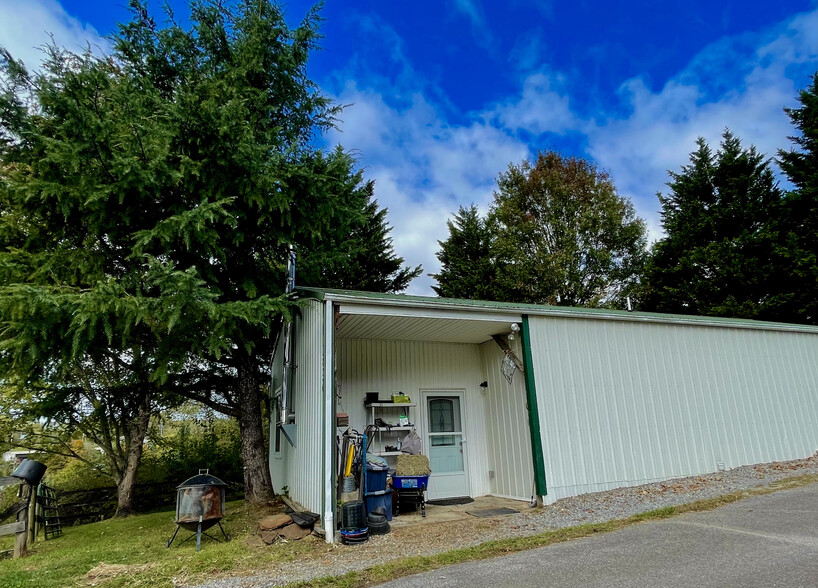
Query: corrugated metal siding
507,435
624,404
370,365
302,465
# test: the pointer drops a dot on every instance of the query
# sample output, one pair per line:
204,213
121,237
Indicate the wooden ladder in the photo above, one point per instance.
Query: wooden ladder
48,516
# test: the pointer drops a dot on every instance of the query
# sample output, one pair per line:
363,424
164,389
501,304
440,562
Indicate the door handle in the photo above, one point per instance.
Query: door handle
461,445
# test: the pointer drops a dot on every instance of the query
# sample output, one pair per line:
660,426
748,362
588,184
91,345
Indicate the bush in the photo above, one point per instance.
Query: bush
193,444
190,443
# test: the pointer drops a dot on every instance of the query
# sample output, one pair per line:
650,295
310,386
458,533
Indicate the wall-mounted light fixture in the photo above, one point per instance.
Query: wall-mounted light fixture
515,328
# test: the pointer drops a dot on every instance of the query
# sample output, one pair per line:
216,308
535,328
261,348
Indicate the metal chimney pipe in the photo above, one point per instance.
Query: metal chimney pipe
291,257
285,416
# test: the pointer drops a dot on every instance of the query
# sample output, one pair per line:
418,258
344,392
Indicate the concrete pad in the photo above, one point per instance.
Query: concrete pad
456,512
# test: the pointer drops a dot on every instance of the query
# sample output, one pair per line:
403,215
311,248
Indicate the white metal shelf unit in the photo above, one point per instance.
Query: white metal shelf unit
391,411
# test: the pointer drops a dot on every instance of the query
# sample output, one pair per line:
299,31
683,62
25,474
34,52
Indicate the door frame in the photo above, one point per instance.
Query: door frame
425,393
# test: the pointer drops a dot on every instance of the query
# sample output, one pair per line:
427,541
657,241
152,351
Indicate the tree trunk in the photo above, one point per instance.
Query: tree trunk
257,484
127,483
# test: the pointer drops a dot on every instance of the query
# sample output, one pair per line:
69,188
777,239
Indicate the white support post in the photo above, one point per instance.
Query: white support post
329,421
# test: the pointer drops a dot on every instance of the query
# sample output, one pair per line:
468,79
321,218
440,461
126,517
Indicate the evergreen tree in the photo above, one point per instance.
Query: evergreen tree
563,235
798,282
357,254
147,202
717,258
466,266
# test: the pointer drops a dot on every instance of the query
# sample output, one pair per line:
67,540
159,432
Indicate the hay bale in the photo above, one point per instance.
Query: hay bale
412,465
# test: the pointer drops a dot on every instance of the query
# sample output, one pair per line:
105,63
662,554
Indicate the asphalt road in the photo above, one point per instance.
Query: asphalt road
765,541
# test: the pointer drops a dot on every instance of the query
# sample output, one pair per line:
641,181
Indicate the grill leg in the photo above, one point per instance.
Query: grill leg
199,535
168,544
226,536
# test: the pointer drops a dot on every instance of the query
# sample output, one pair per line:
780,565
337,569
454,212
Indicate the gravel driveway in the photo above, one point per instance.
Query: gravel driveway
598,507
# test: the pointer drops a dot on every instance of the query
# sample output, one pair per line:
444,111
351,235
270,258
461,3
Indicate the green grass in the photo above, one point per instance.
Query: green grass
136,547
131,552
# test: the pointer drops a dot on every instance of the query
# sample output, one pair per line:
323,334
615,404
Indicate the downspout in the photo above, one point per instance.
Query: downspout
328,520
533,415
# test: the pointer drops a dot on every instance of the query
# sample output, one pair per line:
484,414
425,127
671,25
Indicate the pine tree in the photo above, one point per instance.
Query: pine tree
466,266
798,292
148,200
717,258
357,254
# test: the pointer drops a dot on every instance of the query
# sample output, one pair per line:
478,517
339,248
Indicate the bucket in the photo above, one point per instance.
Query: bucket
353,515
383,501
29,470
349,484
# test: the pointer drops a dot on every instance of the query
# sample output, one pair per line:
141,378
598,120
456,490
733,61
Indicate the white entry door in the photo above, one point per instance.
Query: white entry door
445,442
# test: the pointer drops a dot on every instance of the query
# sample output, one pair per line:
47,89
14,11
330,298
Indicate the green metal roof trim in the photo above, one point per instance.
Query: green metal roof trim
546,310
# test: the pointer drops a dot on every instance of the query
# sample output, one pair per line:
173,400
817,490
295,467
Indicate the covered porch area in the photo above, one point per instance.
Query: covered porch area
445,363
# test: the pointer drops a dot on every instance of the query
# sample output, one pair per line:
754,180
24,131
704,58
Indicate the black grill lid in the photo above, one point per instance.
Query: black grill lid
201,480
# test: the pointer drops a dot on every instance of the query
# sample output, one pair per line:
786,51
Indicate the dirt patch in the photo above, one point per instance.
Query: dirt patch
104,572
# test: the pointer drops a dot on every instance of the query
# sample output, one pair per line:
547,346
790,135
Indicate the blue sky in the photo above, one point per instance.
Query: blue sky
444,95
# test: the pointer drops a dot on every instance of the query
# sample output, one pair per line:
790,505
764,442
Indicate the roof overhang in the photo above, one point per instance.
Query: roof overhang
408,323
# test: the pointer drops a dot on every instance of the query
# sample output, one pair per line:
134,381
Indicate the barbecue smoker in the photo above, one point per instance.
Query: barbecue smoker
199,506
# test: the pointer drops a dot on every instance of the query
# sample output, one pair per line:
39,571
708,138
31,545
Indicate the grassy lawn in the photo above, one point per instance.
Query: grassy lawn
132,552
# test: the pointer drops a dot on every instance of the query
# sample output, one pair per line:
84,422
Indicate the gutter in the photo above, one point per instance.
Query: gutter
562,312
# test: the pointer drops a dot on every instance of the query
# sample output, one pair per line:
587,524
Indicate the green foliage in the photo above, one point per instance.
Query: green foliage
188,445
466,266
718,256
147,203
356,253
798,241
177,449
66,474
557,233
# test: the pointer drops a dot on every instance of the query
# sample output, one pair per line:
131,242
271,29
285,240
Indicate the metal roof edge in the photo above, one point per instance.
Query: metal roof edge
378,298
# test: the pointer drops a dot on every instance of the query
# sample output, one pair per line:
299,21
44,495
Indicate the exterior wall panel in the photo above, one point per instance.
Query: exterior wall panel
372,365
624,403
507,436
300,468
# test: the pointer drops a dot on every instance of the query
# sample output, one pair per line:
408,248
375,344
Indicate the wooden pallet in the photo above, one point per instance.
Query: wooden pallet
48,515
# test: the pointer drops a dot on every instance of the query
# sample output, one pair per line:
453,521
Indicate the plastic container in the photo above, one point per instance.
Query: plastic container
353,536
406,482
353,515
380,500
376,478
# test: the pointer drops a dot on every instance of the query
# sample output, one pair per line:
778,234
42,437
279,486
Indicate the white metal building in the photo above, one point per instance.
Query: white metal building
604,398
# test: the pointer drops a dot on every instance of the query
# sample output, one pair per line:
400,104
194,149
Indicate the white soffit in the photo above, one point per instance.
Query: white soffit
420,324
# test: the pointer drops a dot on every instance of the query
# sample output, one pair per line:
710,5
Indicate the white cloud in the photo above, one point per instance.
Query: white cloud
425,166
543,107
474,13
662,127
25,28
